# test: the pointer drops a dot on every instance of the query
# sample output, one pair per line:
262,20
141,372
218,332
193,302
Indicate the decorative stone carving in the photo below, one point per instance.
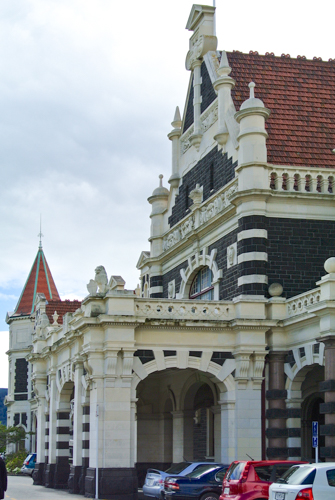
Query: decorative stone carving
196,195
208,118
55,317
206,213
92,287
99,283
200,46
171,289
116,283
232,255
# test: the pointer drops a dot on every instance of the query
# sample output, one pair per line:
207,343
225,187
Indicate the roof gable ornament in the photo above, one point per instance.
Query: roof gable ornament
202,22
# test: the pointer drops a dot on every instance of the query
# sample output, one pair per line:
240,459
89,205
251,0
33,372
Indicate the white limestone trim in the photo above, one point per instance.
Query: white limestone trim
201,215
183,361
194,265
300,303
252,233
250,256
252,278
295,179
296,373
207,119
63,453
188,309
156,289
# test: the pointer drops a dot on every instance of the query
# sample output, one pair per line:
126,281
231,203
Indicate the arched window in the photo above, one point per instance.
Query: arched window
202,288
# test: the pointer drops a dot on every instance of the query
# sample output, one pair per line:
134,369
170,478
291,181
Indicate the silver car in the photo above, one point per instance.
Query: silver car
308,481
154,480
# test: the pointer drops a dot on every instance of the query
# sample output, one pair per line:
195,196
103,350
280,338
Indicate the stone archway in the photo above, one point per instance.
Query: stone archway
63,437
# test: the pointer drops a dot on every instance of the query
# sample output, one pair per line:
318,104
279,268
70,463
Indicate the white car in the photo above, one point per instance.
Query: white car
305,482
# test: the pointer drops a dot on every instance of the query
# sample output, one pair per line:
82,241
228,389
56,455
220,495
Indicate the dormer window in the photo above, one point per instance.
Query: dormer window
202,288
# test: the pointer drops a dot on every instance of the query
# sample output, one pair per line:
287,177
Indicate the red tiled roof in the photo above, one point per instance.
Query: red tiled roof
62,307
300,94
40,280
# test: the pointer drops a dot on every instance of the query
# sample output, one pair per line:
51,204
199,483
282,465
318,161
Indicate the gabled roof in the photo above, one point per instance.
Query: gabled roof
39,280
300,94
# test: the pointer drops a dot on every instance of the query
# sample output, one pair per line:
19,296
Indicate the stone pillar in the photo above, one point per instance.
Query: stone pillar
47,433
195,138
178,436
85,447
294,428
276,413
42,429
49,469
328,407
62,468
174,136
133,431
227,416
76,467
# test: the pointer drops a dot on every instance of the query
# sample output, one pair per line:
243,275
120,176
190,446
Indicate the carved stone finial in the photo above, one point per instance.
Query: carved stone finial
55,317
176,123
161,180
224,68
252,86
329,265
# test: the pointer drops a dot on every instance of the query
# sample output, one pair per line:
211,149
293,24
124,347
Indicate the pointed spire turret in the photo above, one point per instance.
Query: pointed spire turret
39,280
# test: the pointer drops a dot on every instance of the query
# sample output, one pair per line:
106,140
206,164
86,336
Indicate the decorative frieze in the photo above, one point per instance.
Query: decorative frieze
208,118
199,217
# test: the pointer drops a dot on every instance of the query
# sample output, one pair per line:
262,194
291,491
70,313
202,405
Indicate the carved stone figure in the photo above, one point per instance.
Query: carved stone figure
101,279
231,254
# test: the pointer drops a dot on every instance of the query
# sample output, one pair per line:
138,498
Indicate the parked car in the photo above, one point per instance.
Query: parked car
154,480
203,483
309,482
29,464
250,480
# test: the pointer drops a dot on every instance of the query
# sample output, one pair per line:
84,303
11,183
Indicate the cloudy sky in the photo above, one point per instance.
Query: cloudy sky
88,89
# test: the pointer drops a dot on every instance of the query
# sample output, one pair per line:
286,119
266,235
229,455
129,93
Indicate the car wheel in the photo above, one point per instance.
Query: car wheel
210,496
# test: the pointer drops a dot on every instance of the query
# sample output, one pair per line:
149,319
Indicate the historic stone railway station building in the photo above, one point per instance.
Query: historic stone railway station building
227,349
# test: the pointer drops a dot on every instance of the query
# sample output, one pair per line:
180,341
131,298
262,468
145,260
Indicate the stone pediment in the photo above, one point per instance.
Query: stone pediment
197,15
143,257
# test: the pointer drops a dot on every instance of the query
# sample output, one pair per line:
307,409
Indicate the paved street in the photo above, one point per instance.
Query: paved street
21,488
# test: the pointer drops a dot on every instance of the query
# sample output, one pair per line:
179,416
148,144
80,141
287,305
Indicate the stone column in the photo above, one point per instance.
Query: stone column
42,429
227,443
51,465
328,407
76,467
133,431
294,428
276,413
85,453
178,436
62,468
195,138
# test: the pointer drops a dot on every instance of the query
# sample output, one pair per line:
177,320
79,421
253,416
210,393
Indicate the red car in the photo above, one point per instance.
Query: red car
251,480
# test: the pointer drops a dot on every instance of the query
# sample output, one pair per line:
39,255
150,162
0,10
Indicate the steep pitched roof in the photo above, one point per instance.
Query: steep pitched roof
39,280
300,94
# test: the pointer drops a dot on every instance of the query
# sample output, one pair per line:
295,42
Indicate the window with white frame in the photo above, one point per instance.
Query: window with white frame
202,288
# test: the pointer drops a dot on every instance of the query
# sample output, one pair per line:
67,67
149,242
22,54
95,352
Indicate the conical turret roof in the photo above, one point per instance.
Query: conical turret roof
39,280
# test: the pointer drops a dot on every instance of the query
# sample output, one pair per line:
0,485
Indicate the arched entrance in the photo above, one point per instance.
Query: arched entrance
176,415
310,411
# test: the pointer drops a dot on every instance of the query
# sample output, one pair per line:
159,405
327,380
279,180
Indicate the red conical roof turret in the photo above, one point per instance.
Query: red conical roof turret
40,280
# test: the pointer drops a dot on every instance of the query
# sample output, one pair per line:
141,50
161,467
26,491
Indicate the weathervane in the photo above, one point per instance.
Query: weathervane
40,235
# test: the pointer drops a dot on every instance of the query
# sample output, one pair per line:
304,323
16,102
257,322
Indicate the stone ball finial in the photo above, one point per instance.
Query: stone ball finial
275,289
329,265
252,102
160,190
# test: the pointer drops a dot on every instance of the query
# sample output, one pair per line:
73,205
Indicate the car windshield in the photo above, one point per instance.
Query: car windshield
202,469
178,468
235,471
298,475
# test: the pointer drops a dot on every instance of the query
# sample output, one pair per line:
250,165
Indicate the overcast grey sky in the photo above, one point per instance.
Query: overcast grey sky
88,89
